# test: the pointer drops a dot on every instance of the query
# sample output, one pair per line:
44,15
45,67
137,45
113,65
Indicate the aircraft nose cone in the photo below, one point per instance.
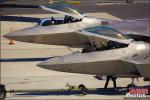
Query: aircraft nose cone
8,36
12,35
42,64
51,64
56,64
19,35
25,35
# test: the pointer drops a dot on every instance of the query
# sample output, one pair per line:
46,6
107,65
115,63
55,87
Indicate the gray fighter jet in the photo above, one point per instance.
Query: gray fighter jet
116,48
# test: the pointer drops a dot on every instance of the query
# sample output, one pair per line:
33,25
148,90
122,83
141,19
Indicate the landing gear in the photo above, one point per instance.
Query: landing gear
132,84
2,92
108,79
83,89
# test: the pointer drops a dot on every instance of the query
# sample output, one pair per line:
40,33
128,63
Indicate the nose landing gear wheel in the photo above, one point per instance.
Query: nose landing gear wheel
83,89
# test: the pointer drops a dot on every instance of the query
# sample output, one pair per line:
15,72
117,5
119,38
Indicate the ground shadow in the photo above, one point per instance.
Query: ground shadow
97,91
24,59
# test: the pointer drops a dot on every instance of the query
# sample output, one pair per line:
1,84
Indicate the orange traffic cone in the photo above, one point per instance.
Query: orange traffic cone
11,42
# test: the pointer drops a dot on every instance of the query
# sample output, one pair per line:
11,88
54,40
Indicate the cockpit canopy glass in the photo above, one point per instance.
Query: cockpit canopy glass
107,31
64,7
46,23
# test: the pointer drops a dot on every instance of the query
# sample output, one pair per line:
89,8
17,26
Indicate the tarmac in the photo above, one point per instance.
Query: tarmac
19,70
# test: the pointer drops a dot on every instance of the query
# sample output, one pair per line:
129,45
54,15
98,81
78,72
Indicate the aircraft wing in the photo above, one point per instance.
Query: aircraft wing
138,60
139,27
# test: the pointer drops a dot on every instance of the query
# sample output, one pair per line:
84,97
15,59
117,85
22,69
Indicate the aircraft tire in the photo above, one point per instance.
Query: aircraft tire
83,89
131,85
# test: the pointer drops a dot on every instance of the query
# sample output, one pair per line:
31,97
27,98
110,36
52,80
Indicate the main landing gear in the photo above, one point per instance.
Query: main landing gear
132,84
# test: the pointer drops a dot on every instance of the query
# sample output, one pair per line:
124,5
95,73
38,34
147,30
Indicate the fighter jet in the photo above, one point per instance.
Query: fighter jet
107,48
